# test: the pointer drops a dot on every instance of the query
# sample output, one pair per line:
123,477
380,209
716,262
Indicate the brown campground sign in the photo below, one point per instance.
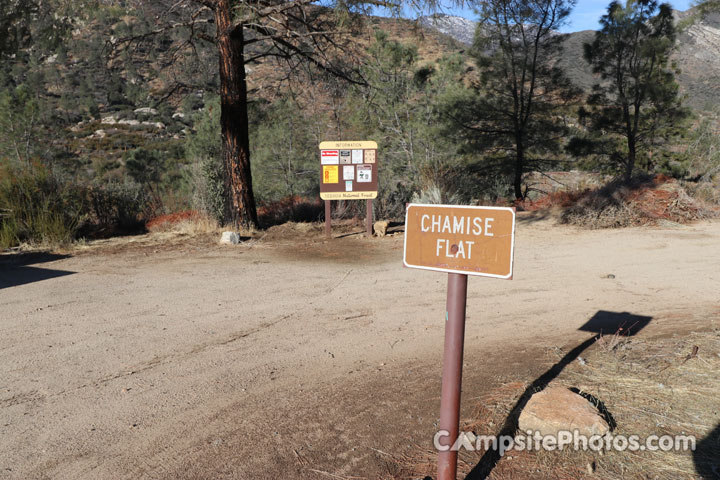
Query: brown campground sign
348,170
460,239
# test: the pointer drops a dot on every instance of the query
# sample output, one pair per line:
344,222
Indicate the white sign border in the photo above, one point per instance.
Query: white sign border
463,272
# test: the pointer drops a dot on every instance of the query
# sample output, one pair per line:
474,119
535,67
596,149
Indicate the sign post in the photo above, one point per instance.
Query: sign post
327,218
349,171
461,241
368,217
452,371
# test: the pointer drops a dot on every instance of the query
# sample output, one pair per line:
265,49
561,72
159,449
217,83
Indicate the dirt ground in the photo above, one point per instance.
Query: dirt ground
290,356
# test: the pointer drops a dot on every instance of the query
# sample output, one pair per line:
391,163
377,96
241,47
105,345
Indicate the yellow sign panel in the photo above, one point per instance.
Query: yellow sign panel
347,145
348,195
330,174
460,239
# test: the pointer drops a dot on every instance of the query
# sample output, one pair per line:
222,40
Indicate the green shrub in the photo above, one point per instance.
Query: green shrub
38,207
703,151
203,151
8,233
115,207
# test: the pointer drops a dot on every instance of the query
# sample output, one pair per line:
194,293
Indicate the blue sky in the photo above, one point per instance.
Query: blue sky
584,17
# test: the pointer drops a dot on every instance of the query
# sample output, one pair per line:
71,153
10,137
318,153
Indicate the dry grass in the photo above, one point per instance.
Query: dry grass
196,226
650,387
707,191
172,232
183,223
642,201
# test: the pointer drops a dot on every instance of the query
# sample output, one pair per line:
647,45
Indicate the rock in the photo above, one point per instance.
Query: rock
128,122
146,111
557,408
99,134
158,125
380,227
109,120
668,223
179,115
230,238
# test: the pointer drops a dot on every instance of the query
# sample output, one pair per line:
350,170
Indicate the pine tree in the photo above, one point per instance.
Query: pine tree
636,104
400,107
515,116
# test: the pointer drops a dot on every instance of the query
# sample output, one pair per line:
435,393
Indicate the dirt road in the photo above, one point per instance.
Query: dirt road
293,357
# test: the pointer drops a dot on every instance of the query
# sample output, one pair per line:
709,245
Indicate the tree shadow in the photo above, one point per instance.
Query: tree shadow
396,227
621,324
291,209
528,218
350,234
707,456
15,269
29,258
393,227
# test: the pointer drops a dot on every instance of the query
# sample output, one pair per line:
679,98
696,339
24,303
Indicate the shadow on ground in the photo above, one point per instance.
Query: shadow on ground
707,456
15,268
29,258
528,218
603,322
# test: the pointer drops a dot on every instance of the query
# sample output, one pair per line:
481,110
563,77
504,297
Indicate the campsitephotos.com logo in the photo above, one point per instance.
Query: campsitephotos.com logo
565,439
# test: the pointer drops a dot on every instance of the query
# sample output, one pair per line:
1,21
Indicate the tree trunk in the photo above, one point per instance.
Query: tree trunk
240,211
519,166
632,154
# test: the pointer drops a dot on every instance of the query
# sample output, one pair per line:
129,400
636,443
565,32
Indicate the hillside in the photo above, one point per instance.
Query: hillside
103,129
117,109
698,58
697,55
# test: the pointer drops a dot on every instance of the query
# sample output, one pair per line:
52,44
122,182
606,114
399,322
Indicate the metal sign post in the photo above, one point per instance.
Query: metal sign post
452,372
369,217
327,218
461,241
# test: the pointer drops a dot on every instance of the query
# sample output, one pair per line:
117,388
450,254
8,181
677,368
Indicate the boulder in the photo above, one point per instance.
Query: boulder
230,238
557,408
380,227
146,111
158,125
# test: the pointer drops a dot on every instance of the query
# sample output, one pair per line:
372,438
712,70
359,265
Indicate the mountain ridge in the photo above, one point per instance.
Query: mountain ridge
697,54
